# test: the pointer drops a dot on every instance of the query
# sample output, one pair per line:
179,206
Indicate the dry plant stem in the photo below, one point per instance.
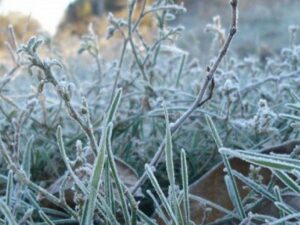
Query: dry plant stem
13,38
11,102
141,16
157,44
7,77
11,46
125,43
132,28
72,112
118,71
97,59
133,47
17,135
11,52
198,101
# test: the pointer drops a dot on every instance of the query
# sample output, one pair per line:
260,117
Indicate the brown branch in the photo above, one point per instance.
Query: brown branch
211,91
199,99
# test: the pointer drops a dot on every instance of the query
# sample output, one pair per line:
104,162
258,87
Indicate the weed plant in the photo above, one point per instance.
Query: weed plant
154,107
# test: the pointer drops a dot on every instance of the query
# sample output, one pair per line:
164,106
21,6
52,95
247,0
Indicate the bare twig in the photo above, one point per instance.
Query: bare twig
199,99
13,39
11,46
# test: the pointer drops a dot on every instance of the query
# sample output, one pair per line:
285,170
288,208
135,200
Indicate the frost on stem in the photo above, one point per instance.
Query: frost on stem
201,97
262,122
264,119
219,33
293,31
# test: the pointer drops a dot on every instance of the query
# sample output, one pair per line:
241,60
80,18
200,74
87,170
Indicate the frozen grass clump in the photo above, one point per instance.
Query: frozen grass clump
154,108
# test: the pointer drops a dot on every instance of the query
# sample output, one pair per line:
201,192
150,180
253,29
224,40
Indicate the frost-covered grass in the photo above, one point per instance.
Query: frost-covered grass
156,108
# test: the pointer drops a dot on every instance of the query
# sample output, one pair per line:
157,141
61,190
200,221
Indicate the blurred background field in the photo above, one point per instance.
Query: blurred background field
263,23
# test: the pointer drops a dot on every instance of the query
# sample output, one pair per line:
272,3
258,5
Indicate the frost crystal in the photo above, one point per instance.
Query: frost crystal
264,119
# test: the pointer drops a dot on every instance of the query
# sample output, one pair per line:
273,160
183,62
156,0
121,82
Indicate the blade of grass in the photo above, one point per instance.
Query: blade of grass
116,177
284,207
47,220
170,169
160,193
27,155
269,161
213,205
185,182
158,208
94,184
9,188
279,199
258,188
233,191
4,208
287,180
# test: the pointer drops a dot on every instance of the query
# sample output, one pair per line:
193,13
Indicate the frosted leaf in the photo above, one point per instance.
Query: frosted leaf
264,119
242,123
31,103
295,125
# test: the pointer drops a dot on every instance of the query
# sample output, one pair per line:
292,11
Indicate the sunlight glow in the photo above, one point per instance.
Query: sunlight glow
48,12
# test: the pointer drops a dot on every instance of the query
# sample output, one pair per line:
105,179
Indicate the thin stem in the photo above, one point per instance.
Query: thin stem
36,61
118,71
198,101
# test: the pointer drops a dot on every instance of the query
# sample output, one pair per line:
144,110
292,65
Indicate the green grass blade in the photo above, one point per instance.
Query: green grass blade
160,193
9,188
169,154
94,184
284,207
234,197
158,209
46,218
279,199
66,160
108,185
214,131
145,218
27,155
285,219
269,161
107,211
287,180
185,183
258,188
114,106
295,106
7,213
234,193
180,70
213,205
170,166
116,177
289,117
